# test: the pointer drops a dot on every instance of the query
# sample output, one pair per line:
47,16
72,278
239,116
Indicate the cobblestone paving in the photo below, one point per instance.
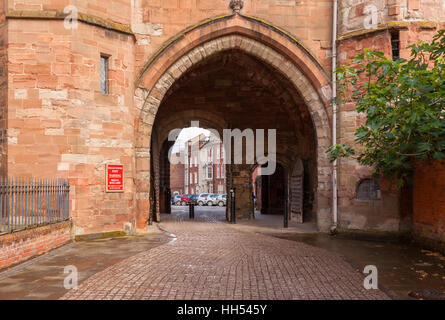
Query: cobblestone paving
212,260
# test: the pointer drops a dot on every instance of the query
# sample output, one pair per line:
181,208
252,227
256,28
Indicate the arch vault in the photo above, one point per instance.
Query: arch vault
271,46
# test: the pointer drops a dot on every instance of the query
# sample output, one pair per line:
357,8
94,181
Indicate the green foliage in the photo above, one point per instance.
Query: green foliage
404,105
340,151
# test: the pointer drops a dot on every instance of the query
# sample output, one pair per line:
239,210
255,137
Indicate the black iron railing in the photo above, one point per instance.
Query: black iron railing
27,203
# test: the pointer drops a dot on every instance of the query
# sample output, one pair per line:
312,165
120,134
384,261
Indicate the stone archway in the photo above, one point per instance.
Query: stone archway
273,49
161,144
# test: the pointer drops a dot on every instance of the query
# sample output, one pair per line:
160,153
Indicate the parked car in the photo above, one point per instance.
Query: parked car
212,199
203,198
176,199
193,199
221,200
185,199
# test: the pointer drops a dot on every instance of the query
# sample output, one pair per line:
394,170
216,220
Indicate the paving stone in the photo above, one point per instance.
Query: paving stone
211,260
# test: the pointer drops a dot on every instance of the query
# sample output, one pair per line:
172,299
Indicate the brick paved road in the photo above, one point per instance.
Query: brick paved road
211,260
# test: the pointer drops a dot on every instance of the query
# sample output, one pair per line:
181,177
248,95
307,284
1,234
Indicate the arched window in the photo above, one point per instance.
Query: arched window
368,189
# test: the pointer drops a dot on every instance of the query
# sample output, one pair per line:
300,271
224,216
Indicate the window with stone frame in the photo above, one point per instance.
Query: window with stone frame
368,189
104,65
395,44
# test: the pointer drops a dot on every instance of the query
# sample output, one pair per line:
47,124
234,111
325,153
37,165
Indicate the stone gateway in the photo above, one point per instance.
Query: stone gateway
103,83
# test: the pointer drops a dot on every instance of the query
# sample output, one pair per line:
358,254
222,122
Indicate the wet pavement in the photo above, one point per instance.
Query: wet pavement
405,271
42,278
211,259
262,223
403,268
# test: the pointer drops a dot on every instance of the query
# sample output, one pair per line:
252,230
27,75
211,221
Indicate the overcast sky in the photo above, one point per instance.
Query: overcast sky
187,134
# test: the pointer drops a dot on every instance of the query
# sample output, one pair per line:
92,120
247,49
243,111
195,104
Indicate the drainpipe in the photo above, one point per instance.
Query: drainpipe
334,115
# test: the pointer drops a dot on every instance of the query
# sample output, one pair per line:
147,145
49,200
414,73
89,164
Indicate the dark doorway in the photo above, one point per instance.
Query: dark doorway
273,192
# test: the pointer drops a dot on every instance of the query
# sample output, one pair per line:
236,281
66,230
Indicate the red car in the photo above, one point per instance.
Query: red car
185,199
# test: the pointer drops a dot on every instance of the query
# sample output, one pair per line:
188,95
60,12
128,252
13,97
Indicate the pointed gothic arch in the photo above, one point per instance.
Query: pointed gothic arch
269,44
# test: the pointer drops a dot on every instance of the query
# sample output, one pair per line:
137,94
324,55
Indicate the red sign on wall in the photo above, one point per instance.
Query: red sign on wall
115,178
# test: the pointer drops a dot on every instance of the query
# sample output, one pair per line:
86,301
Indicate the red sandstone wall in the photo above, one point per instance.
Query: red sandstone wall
362,214
177,178
381,214
3,89
429,201
23,245
352,13
113,10
155,21
309,21
60,125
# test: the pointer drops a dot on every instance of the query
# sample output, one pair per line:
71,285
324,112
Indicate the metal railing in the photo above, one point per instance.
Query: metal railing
28,203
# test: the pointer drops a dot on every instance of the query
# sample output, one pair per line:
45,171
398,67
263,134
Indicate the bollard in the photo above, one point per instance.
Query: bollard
168,201
253,212
150,216
232,206
286,214
191,210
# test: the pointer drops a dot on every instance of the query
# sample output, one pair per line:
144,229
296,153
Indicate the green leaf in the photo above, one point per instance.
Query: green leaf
439,156
404,106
